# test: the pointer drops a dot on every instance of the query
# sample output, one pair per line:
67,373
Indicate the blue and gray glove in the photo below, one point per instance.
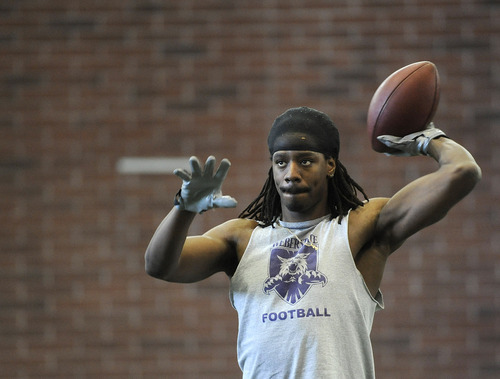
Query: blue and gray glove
412,144
201,189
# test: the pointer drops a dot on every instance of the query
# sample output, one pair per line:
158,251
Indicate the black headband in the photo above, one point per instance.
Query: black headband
304,129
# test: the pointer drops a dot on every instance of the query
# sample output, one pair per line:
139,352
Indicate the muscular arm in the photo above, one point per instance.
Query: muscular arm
429,198
164,250
173,256
377,229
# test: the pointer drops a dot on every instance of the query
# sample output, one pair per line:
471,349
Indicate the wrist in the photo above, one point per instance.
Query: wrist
428,136
200,205
179,203
435,146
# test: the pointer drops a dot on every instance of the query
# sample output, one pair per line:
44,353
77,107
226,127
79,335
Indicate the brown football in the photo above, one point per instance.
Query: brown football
404,103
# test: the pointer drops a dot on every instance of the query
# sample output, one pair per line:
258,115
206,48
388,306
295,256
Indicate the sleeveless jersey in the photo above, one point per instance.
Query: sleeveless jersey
304,310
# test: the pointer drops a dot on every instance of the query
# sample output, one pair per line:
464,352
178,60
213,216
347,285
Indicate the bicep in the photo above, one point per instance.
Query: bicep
201,257
421,203
218,250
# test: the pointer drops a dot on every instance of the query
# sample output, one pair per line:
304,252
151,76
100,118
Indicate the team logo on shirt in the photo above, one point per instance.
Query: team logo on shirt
292,272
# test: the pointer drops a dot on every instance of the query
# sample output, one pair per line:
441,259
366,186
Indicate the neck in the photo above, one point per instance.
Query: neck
290,216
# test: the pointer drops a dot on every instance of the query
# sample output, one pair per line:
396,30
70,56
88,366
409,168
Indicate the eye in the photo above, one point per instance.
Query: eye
306,162
280,163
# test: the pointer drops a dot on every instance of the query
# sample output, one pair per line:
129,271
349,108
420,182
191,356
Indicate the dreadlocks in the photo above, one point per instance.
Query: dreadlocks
342,197
305,128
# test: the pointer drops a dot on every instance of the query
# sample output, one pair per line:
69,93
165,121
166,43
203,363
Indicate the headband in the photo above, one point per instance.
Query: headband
304,128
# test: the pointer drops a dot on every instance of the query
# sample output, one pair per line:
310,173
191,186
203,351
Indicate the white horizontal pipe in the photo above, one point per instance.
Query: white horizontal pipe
151,165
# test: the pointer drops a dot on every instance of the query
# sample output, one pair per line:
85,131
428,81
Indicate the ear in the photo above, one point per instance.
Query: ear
330,164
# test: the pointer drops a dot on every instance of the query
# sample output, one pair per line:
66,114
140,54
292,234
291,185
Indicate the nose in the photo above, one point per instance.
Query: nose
293,173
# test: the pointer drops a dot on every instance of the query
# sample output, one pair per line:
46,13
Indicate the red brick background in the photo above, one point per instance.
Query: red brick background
84,83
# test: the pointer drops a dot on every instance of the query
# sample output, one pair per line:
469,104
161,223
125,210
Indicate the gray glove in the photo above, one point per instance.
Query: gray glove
412,144
201,189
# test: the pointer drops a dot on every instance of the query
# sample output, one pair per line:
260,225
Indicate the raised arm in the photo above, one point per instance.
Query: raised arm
174,256
429,198
171,255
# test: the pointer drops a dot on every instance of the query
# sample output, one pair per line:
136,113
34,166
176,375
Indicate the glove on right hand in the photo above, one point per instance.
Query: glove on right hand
412,144
201,189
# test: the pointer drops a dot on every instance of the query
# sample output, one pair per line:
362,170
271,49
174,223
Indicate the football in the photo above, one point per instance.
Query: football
404,103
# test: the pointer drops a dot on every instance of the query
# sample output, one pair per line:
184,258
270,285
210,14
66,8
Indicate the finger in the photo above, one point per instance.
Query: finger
183,174
389,141
195,166
387,137
208,171
225,202
221,173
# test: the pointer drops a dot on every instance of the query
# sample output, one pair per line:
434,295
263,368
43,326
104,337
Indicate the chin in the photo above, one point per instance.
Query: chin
296,206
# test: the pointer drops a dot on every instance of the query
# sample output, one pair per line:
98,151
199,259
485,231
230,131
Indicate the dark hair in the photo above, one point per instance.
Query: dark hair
342,197
304,128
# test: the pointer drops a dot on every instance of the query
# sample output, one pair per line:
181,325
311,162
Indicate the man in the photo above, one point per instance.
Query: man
306,258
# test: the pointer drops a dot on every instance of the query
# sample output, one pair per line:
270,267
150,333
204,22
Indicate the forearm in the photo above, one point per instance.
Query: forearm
457,162
163,252
428,199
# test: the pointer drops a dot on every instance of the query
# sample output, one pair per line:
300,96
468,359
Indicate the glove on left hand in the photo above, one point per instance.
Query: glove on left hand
201,189
412,144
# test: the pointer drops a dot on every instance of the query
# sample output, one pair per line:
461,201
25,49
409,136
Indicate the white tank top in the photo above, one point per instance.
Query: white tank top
304,310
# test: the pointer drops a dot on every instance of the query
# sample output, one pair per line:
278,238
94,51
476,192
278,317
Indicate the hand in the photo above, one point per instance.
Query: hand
201,189
412,144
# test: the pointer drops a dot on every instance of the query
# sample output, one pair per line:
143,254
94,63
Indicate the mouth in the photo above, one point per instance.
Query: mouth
293,190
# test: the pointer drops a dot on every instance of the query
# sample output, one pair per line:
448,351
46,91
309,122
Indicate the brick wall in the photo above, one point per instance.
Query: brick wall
84,83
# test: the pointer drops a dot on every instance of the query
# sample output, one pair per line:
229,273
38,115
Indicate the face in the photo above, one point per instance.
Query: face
301,179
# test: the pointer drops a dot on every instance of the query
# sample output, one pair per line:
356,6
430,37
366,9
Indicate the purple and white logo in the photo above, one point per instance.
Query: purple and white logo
293,272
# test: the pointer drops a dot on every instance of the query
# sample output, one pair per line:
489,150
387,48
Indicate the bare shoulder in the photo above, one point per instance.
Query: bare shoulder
370,208
363,221
233,227
236,232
